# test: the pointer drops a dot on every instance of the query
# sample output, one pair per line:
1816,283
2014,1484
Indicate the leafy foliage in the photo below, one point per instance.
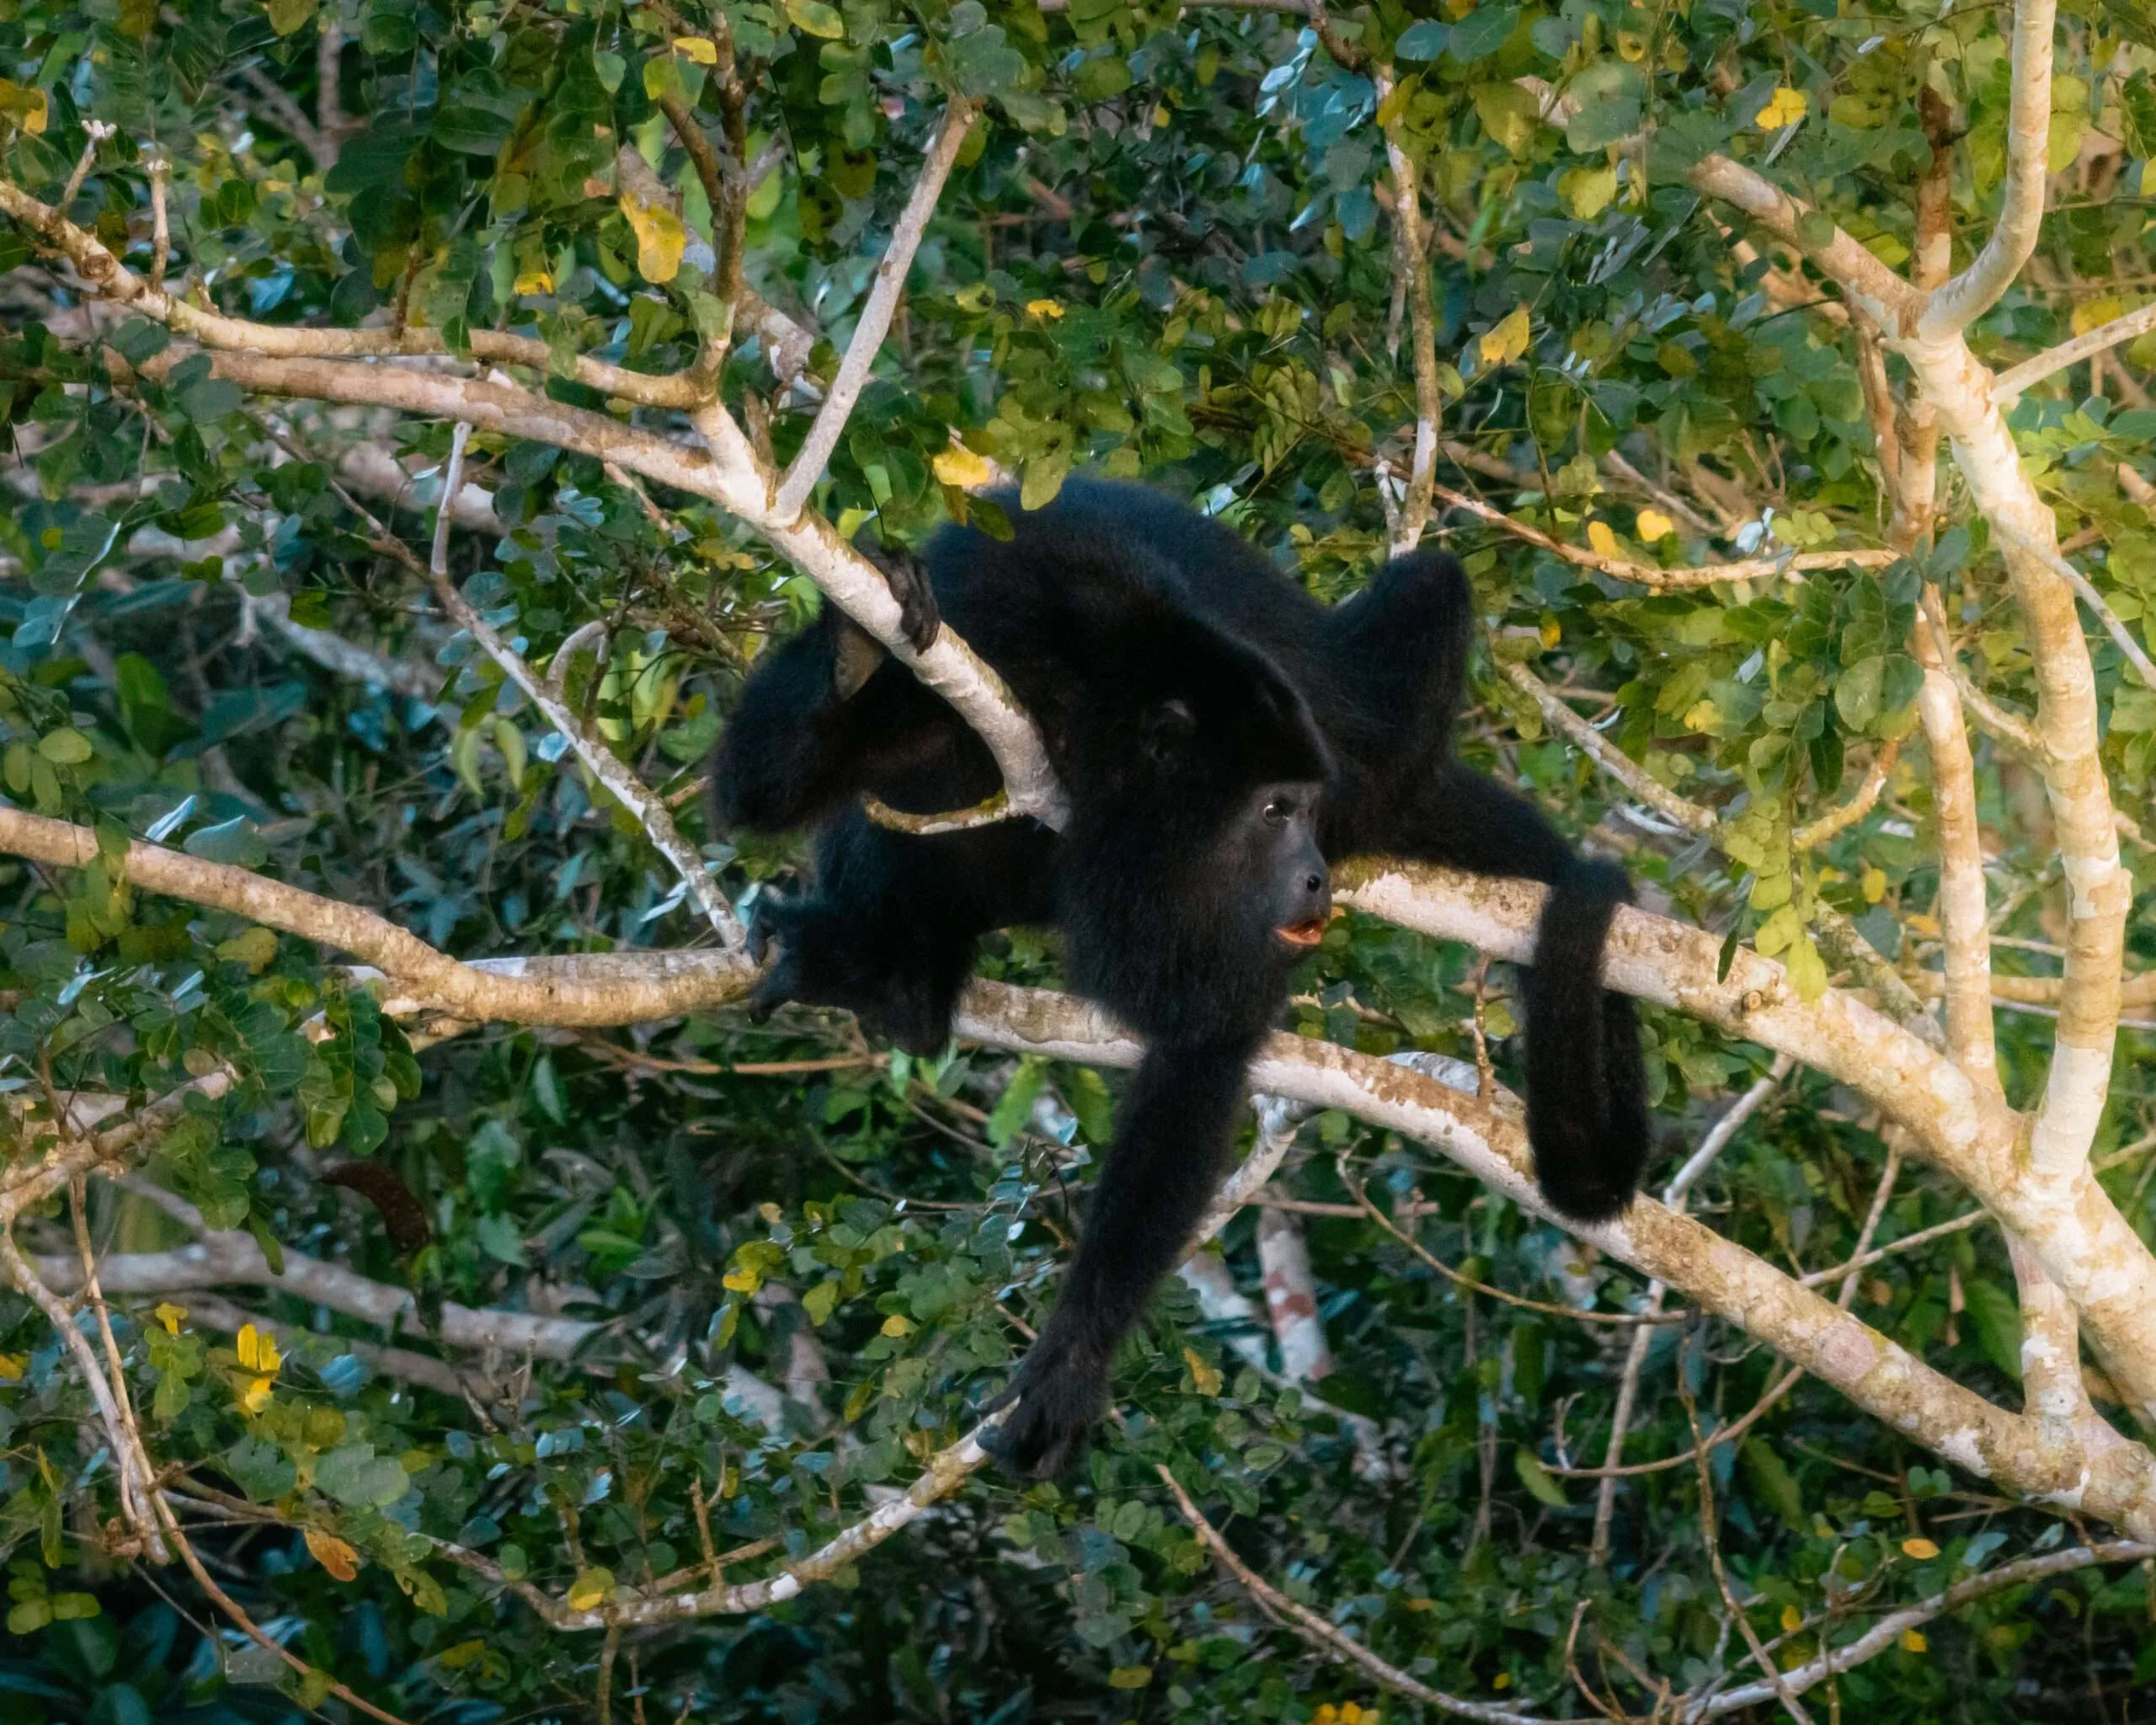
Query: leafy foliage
798,1263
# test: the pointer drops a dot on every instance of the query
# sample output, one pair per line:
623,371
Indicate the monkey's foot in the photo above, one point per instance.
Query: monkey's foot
1061,1393
818,958
919,618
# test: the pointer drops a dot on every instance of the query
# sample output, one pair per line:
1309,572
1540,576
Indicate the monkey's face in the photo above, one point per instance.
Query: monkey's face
1277,861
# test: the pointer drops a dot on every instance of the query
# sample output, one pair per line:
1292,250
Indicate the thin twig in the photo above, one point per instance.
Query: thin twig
1333,1641
876,313
1646,574
1712,1538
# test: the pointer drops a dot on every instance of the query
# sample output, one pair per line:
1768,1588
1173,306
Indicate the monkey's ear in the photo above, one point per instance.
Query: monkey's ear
1164,728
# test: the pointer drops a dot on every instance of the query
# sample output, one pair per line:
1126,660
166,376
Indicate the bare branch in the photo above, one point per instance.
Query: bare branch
2007,386
876,313
1951,308
1692,816
1646,574
2113,625
1327,1636
1411,254
605,989
649,811
1890,1628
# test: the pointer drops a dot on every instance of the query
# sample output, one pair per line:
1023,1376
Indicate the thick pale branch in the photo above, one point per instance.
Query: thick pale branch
2076,1230
1489,1140
1952,307
607,989
1877,292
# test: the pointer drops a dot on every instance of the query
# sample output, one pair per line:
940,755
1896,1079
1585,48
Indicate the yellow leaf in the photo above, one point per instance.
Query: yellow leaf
700,49
1784,108
1206,1377
960,467
536,281
2091,314
258,1351
171,1316
1048,309
590,1590
1792,1619
660,239
1130,1677
743,1280
898,1324
22,106
1506,342
254,947
333,1554
1550,634
1923,1550
1875,885
1587,191
1912,1640
11,1367
254,1394
1651,523
1602,539
465,1653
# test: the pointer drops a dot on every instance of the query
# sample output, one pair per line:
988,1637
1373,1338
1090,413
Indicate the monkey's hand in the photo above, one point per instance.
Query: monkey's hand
776,923
1061,1390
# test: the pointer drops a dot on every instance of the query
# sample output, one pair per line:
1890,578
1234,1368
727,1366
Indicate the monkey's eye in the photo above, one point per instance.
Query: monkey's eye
1276,812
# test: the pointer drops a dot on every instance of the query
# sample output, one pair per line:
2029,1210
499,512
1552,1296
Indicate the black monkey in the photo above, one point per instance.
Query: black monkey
1220,735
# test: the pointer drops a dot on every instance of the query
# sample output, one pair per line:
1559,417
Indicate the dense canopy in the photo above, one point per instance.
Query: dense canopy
433,1298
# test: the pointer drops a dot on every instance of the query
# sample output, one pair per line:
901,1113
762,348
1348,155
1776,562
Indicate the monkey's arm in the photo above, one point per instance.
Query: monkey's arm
1168,1159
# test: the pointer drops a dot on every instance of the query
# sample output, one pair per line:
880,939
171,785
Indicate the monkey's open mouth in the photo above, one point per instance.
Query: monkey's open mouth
1303,934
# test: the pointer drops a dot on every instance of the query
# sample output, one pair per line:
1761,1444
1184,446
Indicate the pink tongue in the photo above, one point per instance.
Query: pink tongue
1302,934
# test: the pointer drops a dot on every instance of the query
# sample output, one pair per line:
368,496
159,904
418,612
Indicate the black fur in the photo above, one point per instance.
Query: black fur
1175,676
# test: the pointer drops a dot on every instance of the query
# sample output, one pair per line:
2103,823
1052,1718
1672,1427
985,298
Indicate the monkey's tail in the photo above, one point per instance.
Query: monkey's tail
1587,1105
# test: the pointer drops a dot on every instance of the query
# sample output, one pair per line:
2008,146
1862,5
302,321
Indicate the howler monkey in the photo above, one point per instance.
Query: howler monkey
1221,735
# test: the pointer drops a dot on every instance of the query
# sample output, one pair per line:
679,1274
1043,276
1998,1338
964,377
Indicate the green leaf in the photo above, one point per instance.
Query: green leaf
29,1616
1015,1106
354,1474
1423,39
1995,1323
1537,1479
288,17
66,747
1608,97
1773,1480
816,18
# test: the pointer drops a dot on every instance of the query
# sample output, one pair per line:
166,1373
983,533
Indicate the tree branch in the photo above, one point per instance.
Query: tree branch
1646,574
604,765
876,313
1951,308
2009,385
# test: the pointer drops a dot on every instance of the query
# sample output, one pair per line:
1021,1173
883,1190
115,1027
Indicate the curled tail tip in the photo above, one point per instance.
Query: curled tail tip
1590,1172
